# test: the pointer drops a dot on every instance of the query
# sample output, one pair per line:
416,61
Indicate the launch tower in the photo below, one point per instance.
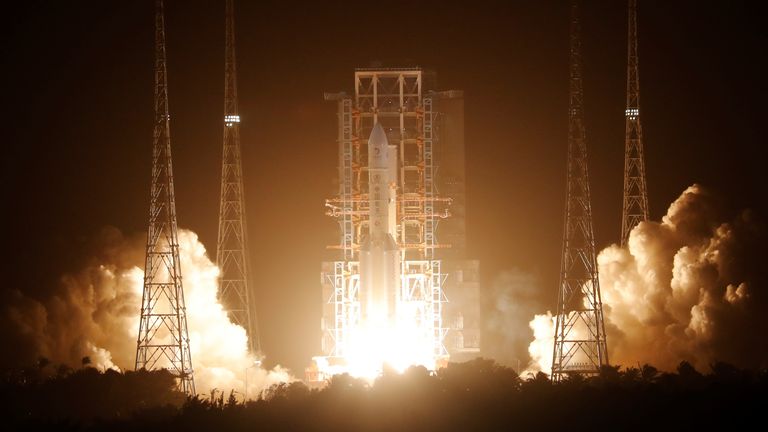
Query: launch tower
232,251
579,342
163,340
635,208
402,104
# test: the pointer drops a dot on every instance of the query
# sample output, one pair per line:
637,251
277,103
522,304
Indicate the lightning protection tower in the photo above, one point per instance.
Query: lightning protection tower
232,250
163,340
579,343
635,208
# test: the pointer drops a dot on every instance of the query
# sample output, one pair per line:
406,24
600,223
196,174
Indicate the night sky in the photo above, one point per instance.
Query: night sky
77,125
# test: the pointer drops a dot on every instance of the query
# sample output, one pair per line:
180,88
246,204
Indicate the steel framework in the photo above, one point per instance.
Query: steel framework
579,340
635,206
163,339
232,247
394,98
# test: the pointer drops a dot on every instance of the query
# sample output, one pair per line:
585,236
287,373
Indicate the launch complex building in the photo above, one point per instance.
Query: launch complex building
401,290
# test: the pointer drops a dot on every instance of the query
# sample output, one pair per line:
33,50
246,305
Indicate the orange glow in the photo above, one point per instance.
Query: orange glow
377,344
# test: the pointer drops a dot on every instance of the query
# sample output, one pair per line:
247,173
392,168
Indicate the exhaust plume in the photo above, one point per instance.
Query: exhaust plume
686,288
95,314
514,296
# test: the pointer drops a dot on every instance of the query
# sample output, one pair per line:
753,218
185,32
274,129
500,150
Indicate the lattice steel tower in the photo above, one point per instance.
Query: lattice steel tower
232,251
163,340
579,343
635,208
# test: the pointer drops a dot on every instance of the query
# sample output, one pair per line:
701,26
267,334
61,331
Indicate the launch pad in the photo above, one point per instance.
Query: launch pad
385,298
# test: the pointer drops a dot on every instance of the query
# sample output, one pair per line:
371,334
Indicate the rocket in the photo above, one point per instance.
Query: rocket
379,255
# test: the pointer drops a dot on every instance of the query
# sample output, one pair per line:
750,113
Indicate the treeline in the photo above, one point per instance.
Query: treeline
479,395
46,392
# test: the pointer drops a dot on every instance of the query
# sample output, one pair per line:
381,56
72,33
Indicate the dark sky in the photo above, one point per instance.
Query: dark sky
77,125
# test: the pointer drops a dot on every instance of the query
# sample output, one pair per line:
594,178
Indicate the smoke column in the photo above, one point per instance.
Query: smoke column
686,288
513,297
95,313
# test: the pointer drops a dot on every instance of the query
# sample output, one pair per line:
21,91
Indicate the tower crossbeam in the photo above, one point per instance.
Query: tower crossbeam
635,203
232,247
579,340
163,340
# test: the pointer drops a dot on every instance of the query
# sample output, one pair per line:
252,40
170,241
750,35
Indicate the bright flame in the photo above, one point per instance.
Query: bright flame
397,347
378,344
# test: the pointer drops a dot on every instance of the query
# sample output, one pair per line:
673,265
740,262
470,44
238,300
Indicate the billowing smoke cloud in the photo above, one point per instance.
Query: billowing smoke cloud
94,314
513,297
686,288
540,349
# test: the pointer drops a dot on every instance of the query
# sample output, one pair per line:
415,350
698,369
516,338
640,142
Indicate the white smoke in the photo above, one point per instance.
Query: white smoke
540,349
95,314
513,297
683,289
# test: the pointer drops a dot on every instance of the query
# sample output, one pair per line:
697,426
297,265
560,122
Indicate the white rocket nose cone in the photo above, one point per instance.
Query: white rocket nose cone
378,148
378,136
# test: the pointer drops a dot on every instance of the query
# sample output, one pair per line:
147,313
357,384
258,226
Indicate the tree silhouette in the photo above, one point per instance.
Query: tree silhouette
476,395
648,373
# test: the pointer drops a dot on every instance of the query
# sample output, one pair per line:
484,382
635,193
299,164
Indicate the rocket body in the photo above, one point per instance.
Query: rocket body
379,254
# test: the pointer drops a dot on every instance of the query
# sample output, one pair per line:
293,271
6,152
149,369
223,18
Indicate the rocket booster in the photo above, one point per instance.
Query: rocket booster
379,254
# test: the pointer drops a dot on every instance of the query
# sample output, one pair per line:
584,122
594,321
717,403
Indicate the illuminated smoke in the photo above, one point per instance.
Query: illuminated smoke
540,350
95,314
685,288
514,296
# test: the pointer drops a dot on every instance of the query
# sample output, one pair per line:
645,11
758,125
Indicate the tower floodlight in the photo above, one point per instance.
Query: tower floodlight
579,342
232,247
635,205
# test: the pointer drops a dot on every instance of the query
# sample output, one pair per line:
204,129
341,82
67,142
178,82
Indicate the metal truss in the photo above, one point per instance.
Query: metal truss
394,98
635,203
422,287
163,340
232,247
345,281
579,340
